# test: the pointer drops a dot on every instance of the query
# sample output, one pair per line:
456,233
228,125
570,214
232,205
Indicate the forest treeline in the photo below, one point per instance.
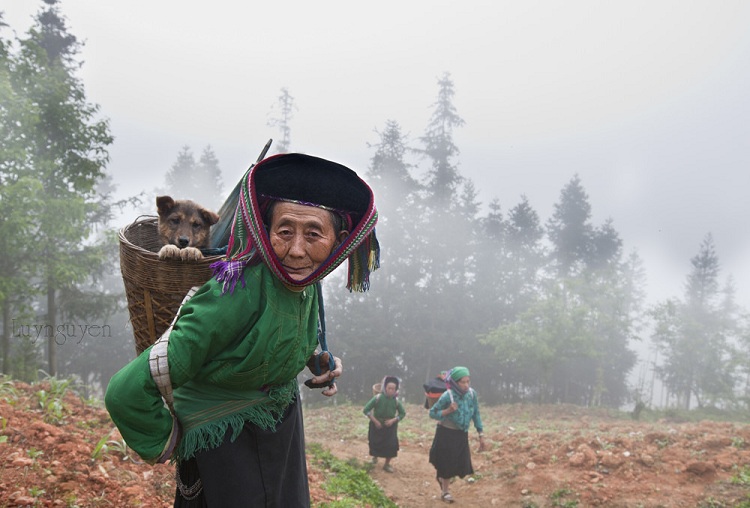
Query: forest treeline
541,310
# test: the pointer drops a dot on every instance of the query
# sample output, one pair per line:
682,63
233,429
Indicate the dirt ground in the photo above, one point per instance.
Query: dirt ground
540,456
546,456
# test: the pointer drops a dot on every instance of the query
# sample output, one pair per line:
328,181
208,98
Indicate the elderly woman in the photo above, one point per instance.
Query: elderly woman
455,410
227,368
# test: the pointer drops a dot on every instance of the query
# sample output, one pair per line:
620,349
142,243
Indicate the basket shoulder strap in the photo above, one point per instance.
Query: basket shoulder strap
158,360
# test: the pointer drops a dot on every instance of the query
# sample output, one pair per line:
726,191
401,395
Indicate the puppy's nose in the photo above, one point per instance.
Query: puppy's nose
183,241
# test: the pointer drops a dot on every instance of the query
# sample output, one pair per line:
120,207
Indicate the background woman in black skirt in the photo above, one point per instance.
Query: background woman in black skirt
454,410
384,411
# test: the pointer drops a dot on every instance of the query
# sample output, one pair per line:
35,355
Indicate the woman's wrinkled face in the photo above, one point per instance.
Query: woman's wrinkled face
302,237
464,383
390,389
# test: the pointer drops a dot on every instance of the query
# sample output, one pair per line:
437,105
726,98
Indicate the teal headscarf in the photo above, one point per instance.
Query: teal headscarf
455,374
459,372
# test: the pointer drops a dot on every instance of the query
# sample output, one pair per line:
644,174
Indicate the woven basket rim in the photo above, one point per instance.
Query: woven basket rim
154,287
148,219
142,219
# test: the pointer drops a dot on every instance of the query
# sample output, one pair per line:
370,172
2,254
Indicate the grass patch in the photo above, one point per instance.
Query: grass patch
561,498
348,481
741,476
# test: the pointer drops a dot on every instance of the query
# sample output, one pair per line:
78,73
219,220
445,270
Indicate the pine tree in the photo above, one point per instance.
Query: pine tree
697,337
19,199
448,268
525,257
96,340
66,152
374,328
181,180
199,181
18,219
570,229
286,106
443,176
572,323
211,179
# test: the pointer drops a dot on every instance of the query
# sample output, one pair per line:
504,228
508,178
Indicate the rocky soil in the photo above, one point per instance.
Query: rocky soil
562,456
57,450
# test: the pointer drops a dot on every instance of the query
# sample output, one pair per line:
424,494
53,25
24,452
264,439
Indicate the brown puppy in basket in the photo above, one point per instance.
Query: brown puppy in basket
184,228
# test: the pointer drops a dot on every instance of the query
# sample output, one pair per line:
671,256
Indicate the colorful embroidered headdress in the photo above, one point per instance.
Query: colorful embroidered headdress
307,180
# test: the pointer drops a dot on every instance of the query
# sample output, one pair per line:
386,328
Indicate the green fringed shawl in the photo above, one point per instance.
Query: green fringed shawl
232,358
256,340
205,429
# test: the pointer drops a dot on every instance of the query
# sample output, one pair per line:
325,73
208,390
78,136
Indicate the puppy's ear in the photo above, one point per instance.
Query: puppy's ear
164,204
209,216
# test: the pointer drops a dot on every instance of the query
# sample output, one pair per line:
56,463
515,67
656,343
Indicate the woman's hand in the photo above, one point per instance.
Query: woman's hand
450,409
331,390
483,446
318,363
390,422
326,376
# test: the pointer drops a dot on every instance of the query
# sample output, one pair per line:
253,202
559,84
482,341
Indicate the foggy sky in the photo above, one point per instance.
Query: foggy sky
646,101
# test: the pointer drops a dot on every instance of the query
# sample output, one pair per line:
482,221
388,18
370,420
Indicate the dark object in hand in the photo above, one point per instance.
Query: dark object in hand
319,364
325,384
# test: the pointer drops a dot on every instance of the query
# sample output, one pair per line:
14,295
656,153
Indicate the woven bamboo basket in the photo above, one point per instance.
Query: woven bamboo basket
154,287
430,399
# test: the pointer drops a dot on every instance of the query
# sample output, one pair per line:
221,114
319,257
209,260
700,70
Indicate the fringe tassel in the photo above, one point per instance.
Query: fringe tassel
229,272
364,260
374,254
266,414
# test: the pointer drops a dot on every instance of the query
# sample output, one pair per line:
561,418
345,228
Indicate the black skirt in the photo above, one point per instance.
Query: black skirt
383,441
260,468
450,453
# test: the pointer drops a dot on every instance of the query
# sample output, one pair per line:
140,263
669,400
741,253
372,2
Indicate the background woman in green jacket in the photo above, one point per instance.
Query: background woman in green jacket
385,411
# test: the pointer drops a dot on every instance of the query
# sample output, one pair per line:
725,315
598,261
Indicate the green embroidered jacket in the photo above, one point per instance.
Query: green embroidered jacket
384,408
233,358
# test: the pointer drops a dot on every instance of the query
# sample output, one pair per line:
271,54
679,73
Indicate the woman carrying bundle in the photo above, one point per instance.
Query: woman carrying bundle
455,410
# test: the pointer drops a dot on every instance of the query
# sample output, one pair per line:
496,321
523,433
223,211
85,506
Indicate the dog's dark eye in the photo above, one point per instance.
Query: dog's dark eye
174,221
197,225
